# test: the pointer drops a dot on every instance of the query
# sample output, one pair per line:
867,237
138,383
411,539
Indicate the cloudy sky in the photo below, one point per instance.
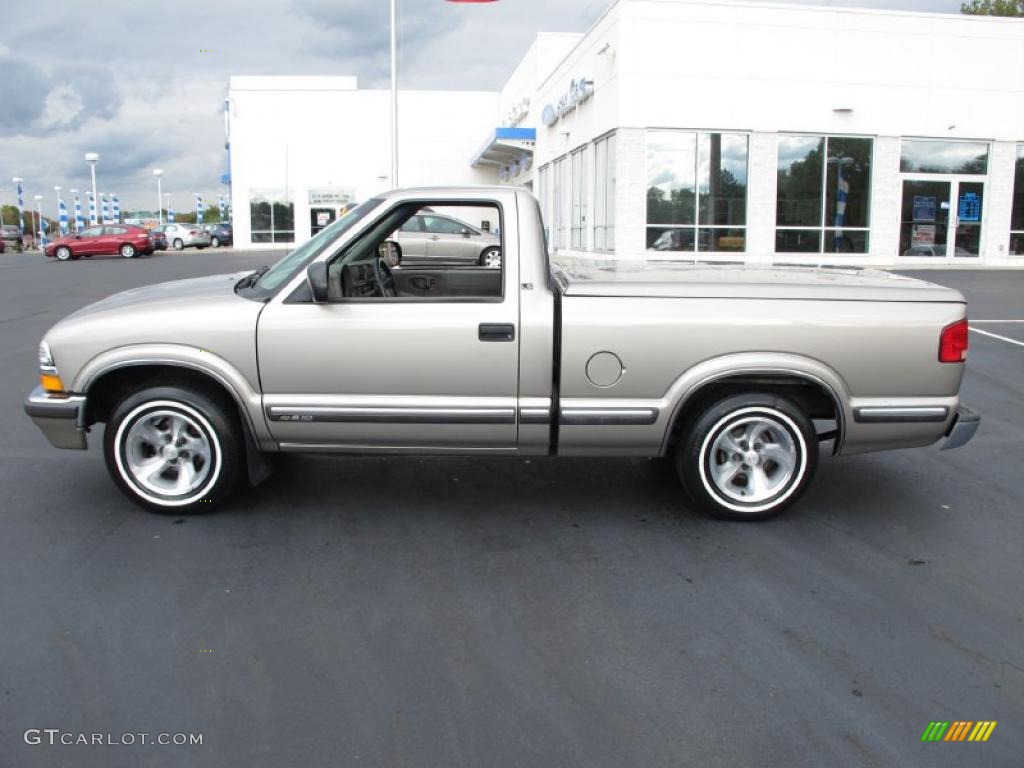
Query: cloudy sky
144,88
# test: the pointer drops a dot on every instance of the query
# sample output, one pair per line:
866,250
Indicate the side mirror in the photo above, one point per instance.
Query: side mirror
466,232
316,276
390,252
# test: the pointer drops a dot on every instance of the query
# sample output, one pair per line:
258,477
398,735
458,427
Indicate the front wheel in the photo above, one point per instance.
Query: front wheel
63,253
747,456
178,244
128,251
174,449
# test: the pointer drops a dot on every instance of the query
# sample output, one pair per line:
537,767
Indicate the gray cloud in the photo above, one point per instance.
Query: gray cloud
146,90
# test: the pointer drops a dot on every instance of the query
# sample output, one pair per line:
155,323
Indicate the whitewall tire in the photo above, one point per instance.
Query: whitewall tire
747,456
174,449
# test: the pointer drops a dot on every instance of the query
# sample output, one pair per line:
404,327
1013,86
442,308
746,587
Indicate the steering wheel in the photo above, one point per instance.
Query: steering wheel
385,279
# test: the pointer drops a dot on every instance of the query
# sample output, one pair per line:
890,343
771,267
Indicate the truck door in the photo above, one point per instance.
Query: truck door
367,372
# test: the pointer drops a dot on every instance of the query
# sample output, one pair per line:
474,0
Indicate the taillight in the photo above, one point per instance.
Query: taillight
953,343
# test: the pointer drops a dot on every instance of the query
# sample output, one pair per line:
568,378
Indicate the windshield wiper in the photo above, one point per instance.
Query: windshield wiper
250,280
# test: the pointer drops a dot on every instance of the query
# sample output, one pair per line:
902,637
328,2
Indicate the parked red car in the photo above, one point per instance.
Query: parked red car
121,239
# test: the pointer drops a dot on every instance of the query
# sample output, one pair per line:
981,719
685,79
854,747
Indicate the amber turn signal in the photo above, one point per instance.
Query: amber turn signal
51,383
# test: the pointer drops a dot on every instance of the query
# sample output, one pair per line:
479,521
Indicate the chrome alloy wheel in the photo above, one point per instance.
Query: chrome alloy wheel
492,258
756,455
168,452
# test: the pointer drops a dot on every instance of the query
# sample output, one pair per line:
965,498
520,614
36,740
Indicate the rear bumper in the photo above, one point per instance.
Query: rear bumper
58,418
963,427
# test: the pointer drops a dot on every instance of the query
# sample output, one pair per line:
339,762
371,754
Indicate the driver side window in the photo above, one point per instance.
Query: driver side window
450,258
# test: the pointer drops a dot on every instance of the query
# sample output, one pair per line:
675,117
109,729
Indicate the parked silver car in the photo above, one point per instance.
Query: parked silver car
433,238
181,236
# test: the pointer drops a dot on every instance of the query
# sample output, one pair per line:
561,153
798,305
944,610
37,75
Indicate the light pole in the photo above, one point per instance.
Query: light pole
167,204
92,158
158,172
39,208
394,98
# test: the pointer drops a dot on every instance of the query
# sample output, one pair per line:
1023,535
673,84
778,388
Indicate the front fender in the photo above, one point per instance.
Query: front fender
246,396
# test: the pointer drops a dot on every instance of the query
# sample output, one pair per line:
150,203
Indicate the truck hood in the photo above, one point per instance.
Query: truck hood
743,282
198,314
191,290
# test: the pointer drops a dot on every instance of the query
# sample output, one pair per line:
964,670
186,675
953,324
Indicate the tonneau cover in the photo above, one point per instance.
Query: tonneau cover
578,278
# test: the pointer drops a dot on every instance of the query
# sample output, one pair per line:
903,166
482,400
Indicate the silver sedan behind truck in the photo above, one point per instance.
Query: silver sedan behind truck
181,236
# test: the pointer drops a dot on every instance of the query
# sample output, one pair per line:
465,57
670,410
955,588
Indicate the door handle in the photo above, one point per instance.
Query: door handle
435,238
423,283
497,332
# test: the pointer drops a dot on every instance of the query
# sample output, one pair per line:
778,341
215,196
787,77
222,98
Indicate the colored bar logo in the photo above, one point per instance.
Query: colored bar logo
959,730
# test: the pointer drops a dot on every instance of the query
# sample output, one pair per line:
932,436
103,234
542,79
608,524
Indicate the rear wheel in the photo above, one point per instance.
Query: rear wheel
63,253
215,242
174,449
747,456
178,244
491,257
128,251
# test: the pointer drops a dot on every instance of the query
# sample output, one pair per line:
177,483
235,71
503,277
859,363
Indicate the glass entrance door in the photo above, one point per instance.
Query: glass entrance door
941,219
969,198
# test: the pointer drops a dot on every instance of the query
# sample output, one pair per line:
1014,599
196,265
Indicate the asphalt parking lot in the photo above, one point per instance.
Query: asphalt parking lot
488,612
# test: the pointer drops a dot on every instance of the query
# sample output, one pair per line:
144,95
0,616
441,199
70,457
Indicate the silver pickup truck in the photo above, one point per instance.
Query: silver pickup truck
736,374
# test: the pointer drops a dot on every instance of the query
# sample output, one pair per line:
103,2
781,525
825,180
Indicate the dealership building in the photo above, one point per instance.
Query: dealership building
678,130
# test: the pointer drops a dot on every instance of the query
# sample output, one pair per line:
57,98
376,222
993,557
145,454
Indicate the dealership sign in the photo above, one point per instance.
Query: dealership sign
579,91
331,196
517,112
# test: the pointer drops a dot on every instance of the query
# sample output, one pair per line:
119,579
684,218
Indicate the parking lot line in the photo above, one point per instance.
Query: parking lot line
996,322
997,336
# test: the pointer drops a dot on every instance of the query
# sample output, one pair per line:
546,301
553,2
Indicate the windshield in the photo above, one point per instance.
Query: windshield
281,272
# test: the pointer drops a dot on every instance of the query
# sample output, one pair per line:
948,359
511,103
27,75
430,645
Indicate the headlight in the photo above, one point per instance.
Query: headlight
46,359
49,379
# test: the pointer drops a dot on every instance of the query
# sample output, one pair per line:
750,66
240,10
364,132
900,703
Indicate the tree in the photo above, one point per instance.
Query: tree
993,8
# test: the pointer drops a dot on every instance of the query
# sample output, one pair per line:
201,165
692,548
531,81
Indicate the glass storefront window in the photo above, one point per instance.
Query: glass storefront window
271,216
696,191
936,156
1017,207
823,194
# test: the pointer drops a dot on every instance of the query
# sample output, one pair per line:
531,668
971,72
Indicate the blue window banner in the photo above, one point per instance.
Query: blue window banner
969,207
924,208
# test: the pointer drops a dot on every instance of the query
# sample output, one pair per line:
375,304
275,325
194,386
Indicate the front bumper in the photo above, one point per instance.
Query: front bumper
962,428
59,418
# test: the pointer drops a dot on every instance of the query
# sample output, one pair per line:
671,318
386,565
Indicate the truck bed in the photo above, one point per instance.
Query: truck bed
741,281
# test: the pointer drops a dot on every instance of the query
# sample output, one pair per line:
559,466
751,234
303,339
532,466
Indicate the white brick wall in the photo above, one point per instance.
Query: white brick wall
886,199
762,180
998,202
630,193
